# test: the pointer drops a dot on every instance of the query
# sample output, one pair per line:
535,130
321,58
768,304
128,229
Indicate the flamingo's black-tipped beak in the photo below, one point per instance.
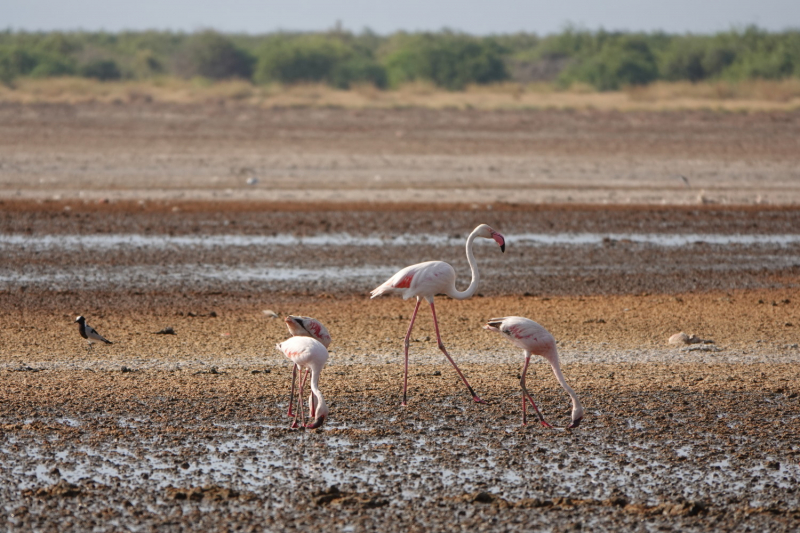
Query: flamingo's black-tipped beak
575,423
317,423
499,239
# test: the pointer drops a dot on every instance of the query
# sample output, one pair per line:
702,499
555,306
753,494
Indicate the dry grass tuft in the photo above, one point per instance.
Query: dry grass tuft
756,95
780,91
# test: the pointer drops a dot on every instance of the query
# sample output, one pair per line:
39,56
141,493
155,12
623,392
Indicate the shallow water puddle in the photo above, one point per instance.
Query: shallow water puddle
134,240
510,464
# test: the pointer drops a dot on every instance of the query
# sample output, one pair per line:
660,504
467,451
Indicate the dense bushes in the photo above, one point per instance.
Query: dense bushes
317,59
605,60
211,55
627,60
448,60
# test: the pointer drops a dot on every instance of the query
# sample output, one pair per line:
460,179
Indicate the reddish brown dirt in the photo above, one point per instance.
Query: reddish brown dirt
188,432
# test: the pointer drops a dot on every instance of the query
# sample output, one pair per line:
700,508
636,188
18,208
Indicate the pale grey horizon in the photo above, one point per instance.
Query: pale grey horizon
480,17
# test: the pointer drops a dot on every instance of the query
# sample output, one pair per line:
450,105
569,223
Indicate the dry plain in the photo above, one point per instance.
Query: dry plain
201,217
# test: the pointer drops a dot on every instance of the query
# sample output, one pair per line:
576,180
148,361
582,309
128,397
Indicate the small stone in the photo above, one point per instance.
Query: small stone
679,338
270,313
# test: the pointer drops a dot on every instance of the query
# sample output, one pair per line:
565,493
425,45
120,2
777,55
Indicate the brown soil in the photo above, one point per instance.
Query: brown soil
188,431
407,155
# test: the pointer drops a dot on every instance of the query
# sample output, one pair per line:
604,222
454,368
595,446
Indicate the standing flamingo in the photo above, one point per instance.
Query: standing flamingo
304,326
310,354
534,339
426,280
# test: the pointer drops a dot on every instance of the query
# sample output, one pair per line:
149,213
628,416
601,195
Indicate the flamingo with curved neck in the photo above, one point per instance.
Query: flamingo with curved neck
305,326
310,354
534,339
426,280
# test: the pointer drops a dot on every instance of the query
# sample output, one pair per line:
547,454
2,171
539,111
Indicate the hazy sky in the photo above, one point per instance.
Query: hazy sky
473,16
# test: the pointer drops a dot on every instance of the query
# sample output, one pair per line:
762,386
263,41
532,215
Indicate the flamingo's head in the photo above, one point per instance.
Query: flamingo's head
320,414
577,414
303,326
488,233
80,320
493,325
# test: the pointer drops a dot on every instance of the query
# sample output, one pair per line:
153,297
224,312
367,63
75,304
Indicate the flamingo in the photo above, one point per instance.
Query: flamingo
426,280
310,354
304,326
534,339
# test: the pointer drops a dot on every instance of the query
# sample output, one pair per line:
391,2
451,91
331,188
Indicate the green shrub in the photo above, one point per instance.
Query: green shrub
684,60
450,61
302,59
211,55
49,65
358,70
624,60
101,69
15,62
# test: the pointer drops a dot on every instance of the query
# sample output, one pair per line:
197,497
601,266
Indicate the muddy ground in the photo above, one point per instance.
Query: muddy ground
160,151
188,432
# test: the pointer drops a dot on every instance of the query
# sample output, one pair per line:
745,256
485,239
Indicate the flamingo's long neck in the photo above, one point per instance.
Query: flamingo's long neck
577,408
322,406
473,266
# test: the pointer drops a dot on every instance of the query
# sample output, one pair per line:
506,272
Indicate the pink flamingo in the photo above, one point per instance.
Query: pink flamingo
309,354
426,280
304,326
534,339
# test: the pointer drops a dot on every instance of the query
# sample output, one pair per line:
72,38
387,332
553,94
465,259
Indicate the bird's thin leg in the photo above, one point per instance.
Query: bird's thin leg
444,351
408,336
525,395
300,403
291,395
522,384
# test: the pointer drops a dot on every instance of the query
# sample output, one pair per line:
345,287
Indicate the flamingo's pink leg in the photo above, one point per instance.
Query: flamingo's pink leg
444,351
291,394
408,336
300,403
299,398
525,395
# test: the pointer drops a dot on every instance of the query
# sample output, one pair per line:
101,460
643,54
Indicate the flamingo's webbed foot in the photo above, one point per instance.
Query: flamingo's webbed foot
546,424
479,400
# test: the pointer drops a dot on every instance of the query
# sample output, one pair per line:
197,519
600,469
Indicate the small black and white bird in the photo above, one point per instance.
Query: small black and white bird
89,333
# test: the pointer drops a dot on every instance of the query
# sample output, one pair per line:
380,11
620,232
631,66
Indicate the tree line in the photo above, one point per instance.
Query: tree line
451,60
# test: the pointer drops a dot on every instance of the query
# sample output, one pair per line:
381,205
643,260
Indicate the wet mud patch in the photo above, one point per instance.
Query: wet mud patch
657,444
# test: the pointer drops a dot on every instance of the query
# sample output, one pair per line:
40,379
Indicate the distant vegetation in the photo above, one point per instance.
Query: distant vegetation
604,60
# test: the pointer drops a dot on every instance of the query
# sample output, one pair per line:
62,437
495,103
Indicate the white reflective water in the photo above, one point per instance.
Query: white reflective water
587,465
133,241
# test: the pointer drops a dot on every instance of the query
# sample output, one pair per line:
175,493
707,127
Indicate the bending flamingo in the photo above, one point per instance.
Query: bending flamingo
426,280
310,354
304,326
534,339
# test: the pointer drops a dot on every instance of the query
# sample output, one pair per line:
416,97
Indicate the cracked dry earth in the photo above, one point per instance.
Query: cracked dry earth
188,432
